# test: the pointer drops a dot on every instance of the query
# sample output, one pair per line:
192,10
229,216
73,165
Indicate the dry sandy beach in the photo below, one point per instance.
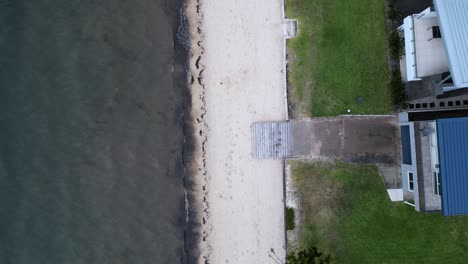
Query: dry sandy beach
236,73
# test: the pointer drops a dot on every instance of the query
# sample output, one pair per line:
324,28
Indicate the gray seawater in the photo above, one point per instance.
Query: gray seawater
92,98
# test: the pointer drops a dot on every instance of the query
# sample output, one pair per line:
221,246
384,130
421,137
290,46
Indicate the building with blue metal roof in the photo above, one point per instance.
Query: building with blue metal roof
434,165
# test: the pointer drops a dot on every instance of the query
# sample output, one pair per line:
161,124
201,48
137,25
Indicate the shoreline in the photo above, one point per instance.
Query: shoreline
196,173
236,212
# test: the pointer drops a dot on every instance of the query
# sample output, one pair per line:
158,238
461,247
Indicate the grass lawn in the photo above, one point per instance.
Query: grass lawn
345,211
339,55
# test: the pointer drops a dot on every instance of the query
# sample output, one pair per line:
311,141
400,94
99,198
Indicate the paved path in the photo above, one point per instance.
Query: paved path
352,138
356,139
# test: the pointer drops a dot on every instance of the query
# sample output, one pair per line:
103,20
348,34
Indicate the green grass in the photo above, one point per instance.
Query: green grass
339,55
347,213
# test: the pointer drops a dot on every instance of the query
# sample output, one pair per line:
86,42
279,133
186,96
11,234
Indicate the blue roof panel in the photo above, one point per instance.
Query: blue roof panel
452,137
406,144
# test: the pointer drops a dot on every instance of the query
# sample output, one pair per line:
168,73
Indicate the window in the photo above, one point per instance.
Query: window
437,189
436,32
410,181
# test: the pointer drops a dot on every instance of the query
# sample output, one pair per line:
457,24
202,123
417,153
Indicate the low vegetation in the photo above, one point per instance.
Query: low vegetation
393,13
346,212
308,256
289,218
396,50
397,87
397,45
338,61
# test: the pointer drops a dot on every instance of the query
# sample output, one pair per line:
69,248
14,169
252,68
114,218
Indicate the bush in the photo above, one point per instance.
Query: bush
397,45
393,13
289,218
308,256
397,88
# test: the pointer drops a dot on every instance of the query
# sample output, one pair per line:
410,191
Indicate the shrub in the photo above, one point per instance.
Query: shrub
397,88
393,13
397,45
289,218
308,256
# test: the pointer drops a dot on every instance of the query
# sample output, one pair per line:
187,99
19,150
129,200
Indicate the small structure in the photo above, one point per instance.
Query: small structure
271,140
436,44
434,165
290,28
396,195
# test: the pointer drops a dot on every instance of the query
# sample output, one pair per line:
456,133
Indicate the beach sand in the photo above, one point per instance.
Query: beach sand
236,73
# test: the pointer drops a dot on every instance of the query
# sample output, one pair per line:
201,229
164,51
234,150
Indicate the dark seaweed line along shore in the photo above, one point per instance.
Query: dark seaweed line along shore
196,181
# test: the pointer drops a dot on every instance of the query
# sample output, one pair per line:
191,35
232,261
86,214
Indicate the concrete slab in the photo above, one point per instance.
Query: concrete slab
290,28
369,140
427,199
316,137
358,139
396,195
355,139
391,175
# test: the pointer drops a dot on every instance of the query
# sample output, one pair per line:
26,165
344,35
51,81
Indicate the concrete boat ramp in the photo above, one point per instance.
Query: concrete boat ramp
356,139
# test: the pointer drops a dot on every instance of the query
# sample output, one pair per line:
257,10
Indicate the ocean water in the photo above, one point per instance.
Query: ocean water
92,102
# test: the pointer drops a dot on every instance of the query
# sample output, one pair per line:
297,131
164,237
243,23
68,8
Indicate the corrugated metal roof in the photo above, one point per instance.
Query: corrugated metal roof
453,22
406,144
453,157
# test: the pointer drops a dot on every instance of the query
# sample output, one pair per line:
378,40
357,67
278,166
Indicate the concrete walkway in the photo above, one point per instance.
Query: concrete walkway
352,138
355,139
358,139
